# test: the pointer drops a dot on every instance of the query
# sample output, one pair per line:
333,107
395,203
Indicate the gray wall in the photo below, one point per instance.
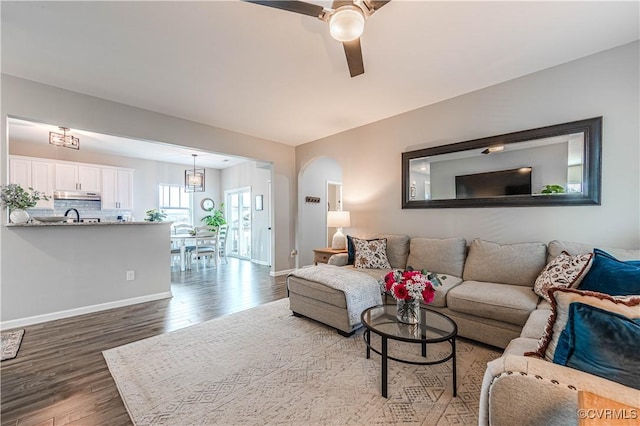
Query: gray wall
605,84
47,104
38,102
257,176
147,175
56,271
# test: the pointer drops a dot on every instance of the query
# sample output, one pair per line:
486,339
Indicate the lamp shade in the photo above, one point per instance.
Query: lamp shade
338,219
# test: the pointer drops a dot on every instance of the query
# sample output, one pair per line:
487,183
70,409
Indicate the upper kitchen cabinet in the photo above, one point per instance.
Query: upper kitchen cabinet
117,188
36,174
74,177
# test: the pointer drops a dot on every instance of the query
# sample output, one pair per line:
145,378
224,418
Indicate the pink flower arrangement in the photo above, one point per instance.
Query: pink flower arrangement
408,285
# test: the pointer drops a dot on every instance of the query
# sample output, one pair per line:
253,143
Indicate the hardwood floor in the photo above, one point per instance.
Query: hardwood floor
60,376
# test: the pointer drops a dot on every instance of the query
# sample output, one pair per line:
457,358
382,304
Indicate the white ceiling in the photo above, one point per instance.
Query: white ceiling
279,75
38,133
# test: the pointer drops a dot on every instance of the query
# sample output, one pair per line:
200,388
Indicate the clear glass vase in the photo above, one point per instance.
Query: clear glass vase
408,311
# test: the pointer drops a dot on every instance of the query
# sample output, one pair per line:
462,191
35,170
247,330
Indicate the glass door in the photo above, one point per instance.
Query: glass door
238,205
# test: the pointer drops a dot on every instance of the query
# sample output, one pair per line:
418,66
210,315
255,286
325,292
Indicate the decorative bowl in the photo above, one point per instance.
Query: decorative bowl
50,218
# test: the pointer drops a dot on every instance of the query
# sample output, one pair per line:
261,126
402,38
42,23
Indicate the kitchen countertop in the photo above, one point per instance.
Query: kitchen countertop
36,224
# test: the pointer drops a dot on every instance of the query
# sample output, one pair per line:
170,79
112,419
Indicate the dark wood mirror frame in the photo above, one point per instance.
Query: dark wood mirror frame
591,173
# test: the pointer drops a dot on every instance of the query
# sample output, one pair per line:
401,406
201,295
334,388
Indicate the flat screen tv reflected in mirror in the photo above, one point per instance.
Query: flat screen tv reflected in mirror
494,184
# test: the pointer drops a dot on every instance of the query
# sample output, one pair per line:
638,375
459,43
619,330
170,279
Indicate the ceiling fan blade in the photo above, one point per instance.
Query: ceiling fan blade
377,4
353,51
292,6
337,3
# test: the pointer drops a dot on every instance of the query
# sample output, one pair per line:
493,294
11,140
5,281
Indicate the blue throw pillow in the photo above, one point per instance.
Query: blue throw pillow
612,276
601,343
351,250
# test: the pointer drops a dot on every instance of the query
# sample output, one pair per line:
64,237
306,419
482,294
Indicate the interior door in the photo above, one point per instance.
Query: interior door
238,206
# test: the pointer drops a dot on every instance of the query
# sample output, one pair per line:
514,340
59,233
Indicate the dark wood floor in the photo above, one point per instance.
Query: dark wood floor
60,376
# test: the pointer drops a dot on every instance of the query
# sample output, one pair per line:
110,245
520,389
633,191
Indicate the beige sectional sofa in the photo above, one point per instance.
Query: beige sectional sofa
525,390
488,292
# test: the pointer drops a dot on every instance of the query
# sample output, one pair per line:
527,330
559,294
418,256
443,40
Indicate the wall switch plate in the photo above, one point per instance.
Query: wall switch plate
131,275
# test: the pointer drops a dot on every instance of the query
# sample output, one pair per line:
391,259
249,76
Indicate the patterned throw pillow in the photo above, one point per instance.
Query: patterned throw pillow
371,254
563,271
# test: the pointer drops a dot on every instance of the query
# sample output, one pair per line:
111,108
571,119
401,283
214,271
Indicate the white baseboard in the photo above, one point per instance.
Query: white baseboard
280,273
260,262
37,319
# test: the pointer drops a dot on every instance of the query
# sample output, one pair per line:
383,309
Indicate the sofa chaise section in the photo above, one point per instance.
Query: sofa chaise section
332,295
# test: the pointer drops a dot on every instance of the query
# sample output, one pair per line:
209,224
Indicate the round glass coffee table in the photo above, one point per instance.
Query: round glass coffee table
434,327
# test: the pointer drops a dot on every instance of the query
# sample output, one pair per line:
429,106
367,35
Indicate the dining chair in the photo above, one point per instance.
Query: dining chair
175,253
206,243
178,230
181,229
222,242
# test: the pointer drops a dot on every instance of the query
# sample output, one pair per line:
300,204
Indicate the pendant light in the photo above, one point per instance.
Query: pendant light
64,140
194,179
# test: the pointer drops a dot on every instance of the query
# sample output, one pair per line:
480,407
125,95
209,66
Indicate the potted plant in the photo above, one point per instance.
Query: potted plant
17,200
552,189
154,215
215,219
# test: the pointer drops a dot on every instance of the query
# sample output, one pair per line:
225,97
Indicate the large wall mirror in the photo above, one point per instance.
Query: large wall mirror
554,165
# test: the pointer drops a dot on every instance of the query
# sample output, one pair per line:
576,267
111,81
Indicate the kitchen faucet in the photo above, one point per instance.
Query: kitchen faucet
77,214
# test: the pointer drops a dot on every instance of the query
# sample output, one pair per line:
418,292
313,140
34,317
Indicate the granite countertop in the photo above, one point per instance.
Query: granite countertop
36,224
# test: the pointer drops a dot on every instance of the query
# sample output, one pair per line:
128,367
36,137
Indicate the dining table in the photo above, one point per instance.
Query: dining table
183,240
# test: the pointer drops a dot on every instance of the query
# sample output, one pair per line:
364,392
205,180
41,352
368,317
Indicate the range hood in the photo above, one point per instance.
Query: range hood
76,195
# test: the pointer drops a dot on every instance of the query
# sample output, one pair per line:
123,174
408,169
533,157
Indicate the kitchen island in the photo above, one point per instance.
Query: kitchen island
41,224
57,270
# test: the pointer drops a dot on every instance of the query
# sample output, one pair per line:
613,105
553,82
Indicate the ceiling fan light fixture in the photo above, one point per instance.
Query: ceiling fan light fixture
347,23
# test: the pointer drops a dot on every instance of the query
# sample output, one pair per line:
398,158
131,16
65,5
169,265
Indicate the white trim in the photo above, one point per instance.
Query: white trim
260,262
81,311
338,186
280,273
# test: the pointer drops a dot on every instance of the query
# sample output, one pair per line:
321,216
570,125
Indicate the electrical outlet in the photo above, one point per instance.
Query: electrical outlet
131,275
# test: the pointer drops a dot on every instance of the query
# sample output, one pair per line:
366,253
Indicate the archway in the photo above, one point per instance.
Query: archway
312,212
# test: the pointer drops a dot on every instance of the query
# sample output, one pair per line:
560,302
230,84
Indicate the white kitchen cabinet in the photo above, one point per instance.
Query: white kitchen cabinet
66,177
77,177
20,172
117,188
42,177
37,174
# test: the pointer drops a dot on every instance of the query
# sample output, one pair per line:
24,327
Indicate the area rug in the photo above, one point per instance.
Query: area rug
10,344
264,366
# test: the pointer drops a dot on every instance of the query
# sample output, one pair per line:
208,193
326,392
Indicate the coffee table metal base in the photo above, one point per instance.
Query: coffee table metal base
385,357
433,327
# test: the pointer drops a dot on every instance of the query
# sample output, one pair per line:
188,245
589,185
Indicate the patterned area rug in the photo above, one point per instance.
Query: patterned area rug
264,366
11,344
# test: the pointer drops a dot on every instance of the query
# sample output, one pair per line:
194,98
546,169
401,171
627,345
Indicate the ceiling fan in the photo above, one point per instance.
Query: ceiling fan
346,20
